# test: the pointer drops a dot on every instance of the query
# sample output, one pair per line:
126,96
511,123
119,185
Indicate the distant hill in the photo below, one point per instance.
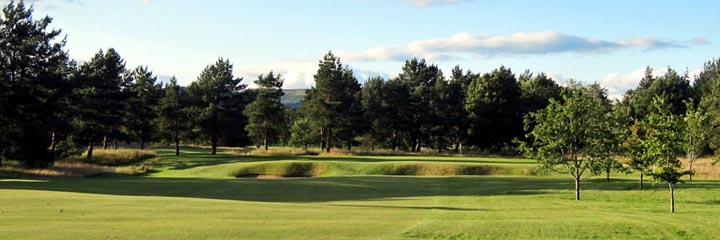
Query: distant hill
293,97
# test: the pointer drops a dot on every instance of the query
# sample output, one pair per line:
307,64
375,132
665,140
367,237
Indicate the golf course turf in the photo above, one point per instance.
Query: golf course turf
197,196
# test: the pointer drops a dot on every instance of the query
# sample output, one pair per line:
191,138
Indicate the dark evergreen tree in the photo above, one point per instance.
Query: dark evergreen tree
334,103
420,80
174,117
493,103
100,99
142,105
33,86
216,95
266,114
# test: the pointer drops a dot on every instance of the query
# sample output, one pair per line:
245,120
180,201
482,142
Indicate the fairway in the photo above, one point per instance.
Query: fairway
171,204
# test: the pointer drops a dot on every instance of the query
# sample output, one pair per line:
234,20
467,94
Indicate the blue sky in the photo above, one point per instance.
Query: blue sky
609,42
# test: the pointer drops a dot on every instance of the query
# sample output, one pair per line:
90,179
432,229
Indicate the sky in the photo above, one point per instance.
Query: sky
609,42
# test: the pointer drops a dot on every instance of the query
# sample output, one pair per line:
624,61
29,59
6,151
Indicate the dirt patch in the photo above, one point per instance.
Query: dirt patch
265,176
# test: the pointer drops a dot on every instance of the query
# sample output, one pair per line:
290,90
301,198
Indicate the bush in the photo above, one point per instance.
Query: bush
115,157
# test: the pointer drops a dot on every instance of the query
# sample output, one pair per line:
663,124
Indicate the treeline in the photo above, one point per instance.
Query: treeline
53,106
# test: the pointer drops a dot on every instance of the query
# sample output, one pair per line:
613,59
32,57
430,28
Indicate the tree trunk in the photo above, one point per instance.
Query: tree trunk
577,188
142,144
104,142
90,150
394,141
53,143
349,145
641,180
690,162
322,138
607,174
457,147
328,143
115,145
177,145
265,142
213,142
305,147
672,198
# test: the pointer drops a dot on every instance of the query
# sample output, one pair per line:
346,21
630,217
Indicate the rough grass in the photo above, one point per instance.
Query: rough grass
67,169
112,157
328,168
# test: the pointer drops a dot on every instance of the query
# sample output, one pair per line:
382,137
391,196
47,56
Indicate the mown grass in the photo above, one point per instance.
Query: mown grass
190,205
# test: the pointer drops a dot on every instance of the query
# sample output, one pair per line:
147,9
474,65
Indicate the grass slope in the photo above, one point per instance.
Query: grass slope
173,203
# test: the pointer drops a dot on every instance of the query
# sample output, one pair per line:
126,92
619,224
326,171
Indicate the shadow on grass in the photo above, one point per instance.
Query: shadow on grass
202,159
410,207
323,189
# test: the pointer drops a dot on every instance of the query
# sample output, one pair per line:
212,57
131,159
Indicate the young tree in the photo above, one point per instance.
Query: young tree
141,108
173,113
695,132
566,133
265,114
632,147
663,141
34,86
302,134
213,95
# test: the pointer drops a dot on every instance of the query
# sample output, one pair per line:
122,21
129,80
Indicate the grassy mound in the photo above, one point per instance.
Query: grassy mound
336,168
117,157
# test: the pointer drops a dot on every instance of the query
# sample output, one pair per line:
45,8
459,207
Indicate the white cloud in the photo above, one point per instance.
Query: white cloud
298,74
618,83
427,3
468,46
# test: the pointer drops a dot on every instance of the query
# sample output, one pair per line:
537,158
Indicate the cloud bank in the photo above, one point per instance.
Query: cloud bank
468,46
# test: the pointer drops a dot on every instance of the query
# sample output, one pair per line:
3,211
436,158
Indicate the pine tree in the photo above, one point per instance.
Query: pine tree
174,119
141,108
34,72
266,114
214,96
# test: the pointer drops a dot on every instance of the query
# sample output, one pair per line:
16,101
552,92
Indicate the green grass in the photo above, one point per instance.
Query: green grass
192,197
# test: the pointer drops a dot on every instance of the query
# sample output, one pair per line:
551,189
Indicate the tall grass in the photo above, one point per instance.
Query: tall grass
307,168
117,157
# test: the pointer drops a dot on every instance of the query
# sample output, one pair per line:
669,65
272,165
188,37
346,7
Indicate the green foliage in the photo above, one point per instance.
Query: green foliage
265,114
663,141
570,133
217,101
34,87
174,118
142,105
695,132
493,104
334,103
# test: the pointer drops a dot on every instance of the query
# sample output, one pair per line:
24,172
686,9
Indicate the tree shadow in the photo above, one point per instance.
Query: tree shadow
297,190
410,207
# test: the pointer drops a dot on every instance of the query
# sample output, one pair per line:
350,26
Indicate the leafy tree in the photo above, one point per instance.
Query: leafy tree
672,87
711,104
334,102
100,98
536,91
663,141
567,133
174,117
493,104
214,96
142,104
632,147
34,72
302,133
695,132
265,114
